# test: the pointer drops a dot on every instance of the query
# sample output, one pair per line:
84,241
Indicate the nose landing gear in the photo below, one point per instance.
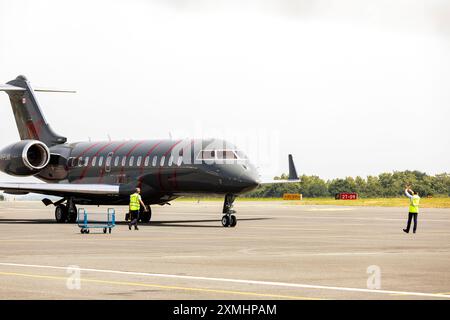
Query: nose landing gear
229,219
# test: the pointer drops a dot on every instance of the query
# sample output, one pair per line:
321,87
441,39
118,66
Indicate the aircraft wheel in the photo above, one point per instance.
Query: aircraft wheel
61,213
146,216
233,221
72,217
225,221
104,230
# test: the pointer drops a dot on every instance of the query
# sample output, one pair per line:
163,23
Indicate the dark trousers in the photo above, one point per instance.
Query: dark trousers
412,215
134,217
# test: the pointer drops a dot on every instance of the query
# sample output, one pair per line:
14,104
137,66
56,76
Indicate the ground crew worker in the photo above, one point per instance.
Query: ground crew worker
135,206
414,200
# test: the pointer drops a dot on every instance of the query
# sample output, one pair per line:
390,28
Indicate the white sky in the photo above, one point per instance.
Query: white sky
350,87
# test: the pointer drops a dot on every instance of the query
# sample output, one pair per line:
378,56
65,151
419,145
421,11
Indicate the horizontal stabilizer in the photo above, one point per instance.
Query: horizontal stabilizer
8,87
41,89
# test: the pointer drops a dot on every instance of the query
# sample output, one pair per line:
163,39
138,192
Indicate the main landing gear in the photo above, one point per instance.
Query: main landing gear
145,217
229,219
66,213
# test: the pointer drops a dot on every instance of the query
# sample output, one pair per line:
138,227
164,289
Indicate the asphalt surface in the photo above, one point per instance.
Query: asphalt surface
278,250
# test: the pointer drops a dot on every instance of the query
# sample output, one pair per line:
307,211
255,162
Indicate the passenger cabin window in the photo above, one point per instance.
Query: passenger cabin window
155,159
170,161
131,161
180,161
147,160
100,161
124,161
80,161
86,161
161,163
116,161
139,161
108,161
94,161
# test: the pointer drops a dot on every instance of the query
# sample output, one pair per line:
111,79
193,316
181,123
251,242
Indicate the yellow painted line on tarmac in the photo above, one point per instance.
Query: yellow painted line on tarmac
228,280
139,284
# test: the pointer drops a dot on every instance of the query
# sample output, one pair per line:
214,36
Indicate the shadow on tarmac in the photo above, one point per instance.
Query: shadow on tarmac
168,223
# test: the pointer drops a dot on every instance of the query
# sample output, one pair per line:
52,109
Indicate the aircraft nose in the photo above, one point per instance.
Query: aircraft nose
249,181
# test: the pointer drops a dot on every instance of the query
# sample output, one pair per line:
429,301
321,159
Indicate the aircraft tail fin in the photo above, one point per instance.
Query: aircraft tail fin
30,120
292,171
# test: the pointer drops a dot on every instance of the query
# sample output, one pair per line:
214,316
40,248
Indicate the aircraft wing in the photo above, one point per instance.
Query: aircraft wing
60,189
278,181
292,178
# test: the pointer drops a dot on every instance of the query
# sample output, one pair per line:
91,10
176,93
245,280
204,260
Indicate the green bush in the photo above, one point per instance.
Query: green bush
383,185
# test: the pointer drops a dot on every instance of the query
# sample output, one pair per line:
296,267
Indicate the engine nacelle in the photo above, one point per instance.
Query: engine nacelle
24,158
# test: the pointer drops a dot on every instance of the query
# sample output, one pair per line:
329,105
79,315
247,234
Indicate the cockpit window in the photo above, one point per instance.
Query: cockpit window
207,155
221,155
226,154
241,155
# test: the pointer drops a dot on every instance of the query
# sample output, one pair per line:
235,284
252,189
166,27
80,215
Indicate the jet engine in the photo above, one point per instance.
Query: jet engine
24,158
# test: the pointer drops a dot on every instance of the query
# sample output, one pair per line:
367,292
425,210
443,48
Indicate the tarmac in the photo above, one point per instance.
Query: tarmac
278,250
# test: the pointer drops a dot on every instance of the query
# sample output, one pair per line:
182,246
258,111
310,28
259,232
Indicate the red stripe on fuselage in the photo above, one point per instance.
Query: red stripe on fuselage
32,134
87,149
159,170
142,164
83,173
174,175
148,154
100,179
128,154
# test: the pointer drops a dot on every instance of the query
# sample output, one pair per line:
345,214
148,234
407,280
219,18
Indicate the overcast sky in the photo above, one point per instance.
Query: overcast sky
349,87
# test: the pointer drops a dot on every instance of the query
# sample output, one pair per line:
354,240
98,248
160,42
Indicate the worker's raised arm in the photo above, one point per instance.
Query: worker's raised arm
407,193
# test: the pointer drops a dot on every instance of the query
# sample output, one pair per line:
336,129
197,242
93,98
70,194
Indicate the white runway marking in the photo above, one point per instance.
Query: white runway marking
331,209
254,282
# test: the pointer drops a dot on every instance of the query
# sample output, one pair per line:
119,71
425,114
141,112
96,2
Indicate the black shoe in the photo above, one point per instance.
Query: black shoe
406,231
414,231
129,227
136,228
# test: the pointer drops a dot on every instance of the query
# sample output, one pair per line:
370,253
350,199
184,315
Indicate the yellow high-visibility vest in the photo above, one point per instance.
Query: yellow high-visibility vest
414,204
135,204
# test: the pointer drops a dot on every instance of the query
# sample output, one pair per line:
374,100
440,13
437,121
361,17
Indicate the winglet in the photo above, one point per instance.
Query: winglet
292,171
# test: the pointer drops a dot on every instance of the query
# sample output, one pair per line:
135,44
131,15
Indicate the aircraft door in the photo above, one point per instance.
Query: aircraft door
108,162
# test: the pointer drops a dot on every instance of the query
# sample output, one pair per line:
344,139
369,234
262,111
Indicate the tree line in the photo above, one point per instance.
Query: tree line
383,185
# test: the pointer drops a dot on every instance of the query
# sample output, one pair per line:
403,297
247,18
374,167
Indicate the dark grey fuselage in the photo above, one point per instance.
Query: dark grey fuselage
163,169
